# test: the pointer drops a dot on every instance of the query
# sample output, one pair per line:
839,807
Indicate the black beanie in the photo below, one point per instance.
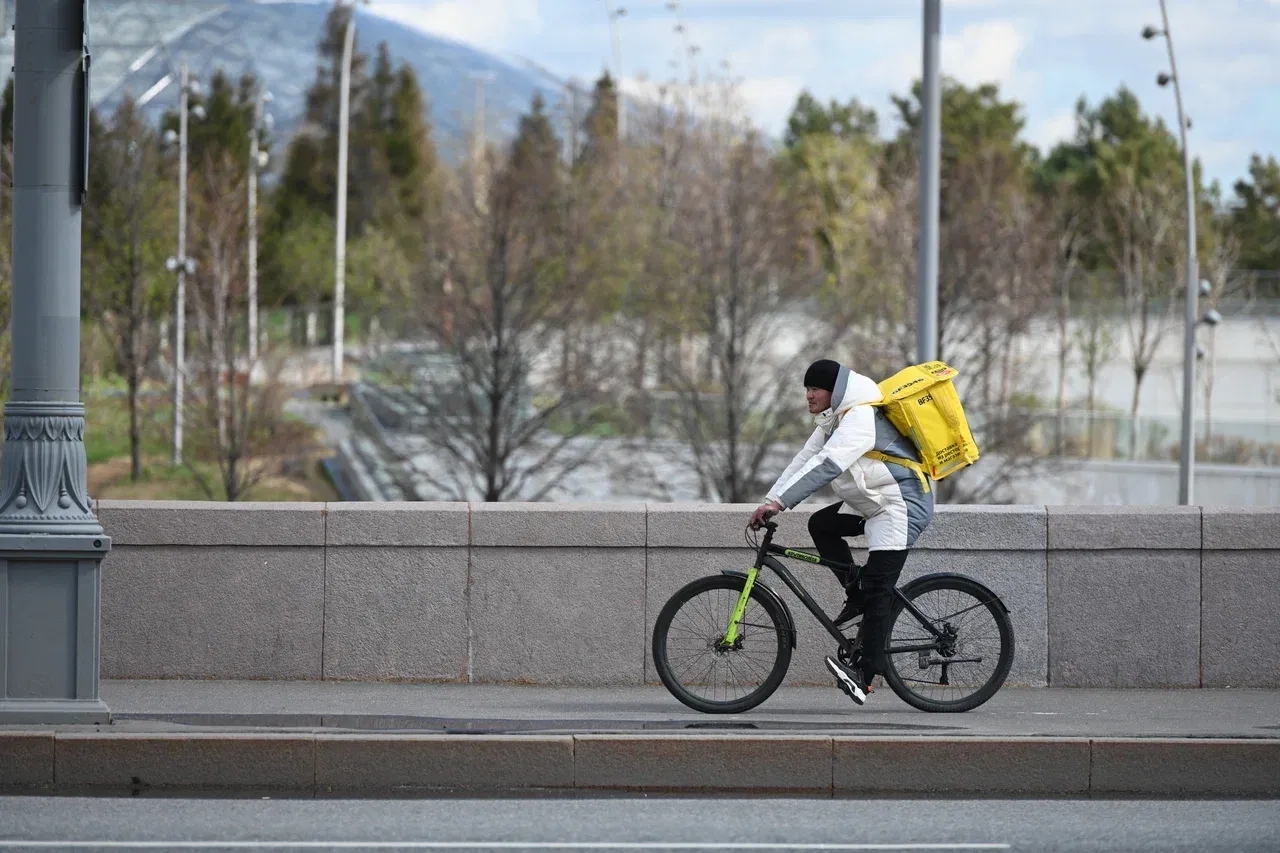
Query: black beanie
822,374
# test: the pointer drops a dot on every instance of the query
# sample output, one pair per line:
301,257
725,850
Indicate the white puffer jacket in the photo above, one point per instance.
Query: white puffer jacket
890,497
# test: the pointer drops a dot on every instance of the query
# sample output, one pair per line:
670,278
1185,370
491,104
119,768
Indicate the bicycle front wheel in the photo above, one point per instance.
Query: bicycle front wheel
695,663
958,662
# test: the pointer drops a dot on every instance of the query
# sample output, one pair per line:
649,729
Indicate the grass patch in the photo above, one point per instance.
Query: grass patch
108,454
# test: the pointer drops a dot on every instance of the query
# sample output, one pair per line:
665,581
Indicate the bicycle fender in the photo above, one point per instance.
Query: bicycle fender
767,592
907,587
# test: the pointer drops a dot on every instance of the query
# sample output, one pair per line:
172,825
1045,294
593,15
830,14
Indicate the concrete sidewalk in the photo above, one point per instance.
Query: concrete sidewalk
344,738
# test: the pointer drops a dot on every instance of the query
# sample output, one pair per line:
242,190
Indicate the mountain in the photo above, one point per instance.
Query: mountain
137,47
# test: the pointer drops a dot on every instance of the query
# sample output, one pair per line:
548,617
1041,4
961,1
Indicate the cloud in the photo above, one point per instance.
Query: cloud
490,24
769,100
1047,133
987,52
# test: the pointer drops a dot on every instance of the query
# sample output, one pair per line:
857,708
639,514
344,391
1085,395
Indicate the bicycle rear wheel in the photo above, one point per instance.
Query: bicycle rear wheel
968,664
699,668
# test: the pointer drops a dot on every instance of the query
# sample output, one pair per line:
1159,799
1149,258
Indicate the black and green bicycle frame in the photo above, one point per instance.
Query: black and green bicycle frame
766,557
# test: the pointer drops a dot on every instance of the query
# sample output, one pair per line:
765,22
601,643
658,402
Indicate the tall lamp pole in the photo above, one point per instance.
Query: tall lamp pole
51,543
930,180
257,160
340,238
181,264
1186,466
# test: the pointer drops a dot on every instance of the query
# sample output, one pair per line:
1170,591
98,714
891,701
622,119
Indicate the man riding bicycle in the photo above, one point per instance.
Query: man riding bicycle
886,501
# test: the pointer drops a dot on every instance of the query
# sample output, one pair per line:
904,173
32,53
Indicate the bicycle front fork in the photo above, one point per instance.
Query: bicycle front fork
731,633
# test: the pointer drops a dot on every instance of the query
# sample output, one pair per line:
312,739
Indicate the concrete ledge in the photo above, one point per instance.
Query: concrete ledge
26,760
187,760
909,765
398,523
1242,528
483,762
1100,528
773,764
599,525
688,525
986,528
211,523
1186,767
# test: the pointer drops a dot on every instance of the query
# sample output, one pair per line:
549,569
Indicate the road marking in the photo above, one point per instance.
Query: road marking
485,845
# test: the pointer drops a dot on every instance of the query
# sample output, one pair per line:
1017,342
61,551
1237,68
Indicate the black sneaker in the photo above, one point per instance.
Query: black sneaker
852,609
849,680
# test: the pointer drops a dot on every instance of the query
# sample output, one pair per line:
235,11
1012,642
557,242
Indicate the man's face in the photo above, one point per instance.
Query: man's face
819,399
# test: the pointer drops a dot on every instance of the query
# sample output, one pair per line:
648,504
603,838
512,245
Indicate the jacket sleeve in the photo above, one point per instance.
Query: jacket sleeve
855,435
812,446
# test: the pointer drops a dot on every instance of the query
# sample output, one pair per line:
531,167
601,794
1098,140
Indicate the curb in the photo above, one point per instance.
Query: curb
318,763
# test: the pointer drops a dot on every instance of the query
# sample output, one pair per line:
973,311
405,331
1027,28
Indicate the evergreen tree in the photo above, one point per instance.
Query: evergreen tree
308,182
1255,219
409,150
843,121
536,146
601,123
224,131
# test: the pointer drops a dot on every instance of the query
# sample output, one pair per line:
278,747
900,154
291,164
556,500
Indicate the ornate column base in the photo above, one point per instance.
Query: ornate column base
51,549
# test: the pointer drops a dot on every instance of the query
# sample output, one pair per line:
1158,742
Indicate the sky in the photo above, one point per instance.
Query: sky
1044,53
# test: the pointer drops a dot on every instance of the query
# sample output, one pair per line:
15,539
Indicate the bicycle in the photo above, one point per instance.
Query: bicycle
735,603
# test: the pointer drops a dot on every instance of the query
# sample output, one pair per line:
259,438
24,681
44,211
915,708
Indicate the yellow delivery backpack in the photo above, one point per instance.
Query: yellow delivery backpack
921,401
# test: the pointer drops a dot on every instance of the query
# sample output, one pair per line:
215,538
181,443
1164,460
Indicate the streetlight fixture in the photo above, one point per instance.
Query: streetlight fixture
1186,467
181,264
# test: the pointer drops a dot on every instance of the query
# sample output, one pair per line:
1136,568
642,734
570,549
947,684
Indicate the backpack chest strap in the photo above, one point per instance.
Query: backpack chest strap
905,463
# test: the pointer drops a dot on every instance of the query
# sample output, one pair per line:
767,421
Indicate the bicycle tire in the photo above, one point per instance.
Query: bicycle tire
667,672
988,603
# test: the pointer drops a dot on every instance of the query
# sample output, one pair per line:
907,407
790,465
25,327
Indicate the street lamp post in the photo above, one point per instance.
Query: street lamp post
930,180
181,264
1186,467
51,544
340,238
257,160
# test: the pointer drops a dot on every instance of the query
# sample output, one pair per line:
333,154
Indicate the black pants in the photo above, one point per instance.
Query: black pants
829,527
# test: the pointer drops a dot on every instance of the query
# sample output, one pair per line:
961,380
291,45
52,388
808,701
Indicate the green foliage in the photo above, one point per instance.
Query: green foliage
977,125
393,190
848,121
1255,219
224,131
602,119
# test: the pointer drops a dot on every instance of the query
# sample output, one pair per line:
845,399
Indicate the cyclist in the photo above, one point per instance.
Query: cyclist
886,501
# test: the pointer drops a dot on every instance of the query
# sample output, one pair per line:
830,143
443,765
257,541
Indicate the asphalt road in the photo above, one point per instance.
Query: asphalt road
637,825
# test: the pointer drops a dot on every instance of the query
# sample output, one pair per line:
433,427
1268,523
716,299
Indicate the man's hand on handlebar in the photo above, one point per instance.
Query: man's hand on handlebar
764,513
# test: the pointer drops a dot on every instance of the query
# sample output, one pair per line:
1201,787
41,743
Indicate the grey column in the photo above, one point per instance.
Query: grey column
51,544
930,180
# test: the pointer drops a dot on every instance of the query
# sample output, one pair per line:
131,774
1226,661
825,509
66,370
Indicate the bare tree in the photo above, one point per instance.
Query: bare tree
1136,224
732,221
492,303
237,423
127,229
1094,340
